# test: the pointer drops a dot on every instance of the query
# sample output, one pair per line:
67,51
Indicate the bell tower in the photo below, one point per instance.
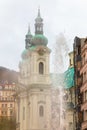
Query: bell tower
39,24
35,100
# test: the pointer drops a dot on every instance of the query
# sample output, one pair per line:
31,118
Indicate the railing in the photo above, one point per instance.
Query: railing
84,125
84,86
84,105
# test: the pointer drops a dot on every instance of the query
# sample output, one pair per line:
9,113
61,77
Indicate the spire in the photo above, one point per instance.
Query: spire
29,32
38,23
28,38
39,12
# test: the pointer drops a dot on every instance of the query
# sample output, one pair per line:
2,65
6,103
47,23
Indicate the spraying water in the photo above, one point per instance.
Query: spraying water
60,52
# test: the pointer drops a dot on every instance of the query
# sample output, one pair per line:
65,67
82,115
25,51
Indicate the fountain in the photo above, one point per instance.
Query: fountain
58,107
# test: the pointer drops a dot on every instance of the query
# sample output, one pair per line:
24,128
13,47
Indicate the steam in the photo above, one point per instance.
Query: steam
60,52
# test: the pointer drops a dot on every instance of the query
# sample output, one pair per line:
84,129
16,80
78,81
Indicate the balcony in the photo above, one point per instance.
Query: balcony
84,47
84,125
83,68
84,106
83,87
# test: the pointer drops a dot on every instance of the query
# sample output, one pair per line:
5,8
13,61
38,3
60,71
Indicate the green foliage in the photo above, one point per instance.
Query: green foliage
7,123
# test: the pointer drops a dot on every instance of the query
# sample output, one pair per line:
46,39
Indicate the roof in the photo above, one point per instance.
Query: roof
24,54
32,47
39,39
69,78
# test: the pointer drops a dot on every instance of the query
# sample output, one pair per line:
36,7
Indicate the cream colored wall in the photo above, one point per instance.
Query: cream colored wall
32,101
32,63
71,55
69,119
37,93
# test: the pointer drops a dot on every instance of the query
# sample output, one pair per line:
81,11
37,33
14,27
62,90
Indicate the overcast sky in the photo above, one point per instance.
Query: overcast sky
66,16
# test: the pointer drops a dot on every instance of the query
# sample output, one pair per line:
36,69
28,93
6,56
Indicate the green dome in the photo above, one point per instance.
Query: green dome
39,39
24,54
32,48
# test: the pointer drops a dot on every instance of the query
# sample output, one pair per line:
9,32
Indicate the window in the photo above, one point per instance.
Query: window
10,105
41,111
11,112
2,112
86,95
2,105
5,105
6,98
5,112
23,113
41,68
84,77
70,62
85,115
70,126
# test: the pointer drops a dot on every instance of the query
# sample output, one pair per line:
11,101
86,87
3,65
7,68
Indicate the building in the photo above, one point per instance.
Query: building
8,80
7,99
80,57
78,82
38,100
83,89
69,95
34,97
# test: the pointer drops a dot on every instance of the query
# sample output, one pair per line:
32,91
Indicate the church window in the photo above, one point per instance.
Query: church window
70,125
41,68
23,113
41,111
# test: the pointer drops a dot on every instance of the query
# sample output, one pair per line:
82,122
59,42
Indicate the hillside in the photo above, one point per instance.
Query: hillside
7,74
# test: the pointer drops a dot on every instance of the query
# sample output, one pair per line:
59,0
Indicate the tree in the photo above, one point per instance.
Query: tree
7,123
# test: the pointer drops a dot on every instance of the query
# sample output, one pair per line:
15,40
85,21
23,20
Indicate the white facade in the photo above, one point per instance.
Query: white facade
34,103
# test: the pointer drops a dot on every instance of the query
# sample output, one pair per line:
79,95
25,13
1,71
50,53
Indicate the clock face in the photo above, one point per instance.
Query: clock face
41,51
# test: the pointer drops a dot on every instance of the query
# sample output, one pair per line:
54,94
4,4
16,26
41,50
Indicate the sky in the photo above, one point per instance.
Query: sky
60,16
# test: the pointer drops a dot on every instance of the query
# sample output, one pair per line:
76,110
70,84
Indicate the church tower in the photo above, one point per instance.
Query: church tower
34,101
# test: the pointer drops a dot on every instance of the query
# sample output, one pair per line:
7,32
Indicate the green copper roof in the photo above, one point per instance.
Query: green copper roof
39,39
69,78
24,54
24,51
38,19
32,47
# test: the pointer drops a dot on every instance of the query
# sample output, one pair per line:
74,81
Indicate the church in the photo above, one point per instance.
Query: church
40,103
34,96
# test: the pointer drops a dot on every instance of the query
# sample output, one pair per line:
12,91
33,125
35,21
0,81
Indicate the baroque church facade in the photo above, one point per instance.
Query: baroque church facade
34,93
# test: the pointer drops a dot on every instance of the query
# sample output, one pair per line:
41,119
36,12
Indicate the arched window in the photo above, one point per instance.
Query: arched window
41,68
41,111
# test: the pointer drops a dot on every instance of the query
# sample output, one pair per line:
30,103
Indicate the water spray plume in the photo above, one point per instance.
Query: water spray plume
60,52
58,111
